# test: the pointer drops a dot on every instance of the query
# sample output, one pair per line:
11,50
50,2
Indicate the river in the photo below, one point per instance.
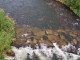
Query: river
31,12
35,13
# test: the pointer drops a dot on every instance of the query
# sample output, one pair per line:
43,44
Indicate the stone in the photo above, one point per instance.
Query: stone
10,53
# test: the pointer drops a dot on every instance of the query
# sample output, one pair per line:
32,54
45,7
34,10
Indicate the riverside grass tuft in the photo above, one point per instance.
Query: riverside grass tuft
74,6
6,33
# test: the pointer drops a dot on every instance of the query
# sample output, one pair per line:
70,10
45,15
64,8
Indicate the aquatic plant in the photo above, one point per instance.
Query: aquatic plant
32,38
45,37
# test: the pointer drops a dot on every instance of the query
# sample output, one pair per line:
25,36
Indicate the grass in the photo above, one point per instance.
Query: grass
6,33
74,5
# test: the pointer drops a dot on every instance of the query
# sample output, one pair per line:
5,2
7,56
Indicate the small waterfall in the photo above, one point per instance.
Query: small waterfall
44,53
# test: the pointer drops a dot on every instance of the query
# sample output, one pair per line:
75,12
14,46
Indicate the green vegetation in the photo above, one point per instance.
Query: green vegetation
74,5
6,33
45,37
32,38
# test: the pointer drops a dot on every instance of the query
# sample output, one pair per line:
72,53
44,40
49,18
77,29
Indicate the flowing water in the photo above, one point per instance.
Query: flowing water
27,53
38,14
31,12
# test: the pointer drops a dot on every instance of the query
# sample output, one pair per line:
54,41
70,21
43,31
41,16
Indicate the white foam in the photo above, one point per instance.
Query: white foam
25,35
44,53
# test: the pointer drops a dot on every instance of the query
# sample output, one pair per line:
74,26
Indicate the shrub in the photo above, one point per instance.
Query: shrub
74,5
6,33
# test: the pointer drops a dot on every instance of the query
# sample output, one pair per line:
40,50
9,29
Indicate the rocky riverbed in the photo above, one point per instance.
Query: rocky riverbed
30,36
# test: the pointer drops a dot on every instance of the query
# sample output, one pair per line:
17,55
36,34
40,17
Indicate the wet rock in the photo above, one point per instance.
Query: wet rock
55,57
74,42
61,43
10,53
61,36
28,57
18,43
35,57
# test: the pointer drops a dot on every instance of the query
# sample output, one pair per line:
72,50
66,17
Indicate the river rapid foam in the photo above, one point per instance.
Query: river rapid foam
43,53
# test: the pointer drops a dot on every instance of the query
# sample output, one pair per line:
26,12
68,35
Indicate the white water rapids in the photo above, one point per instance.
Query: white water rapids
55,53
